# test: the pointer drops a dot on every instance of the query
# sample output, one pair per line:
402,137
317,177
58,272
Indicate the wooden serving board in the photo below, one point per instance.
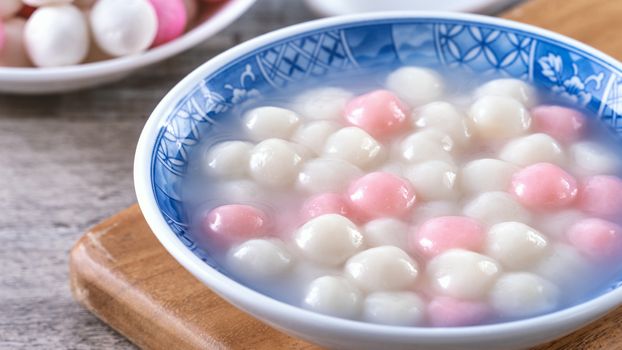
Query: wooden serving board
121,273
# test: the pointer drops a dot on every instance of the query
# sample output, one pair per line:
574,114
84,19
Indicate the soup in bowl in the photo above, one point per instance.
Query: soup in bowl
396,180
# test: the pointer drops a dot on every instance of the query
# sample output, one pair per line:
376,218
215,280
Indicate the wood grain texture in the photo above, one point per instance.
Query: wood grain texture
121,273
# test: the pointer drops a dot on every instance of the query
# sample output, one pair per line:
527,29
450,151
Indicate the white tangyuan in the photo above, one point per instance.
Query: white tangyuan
313,135
429,210
434,180
270,122
131,29
532,149
259,259
485,175
498,117
229,159
415,85
522,294
384,268
329,239
322,103
462,274
565,266
326,175
591,158
427,145
274,163
445,117
335,296
515,245
514,88
494,207
386,231
356,146
394,308
57,36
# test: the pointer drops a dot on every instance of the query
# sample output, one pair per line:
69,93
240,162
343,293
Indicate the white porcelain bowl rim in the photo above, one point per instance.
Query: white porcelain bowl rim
219,20
240,294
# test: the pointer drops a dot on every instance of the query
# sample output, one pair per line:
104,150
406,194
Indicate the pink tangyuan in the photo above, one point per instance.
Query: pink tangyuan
235,222
544,186
601,195
446,232
563,124
596,238
172,20
381,194
379,112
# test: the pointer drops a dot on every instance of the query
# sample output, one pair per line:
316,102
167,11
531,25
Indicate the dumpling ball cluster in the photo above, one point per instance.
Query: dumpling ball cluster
55,33
404,205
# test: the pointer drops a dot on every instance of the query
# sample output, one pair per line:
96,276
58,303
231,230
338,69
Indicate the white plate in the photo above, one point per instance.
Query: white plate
344,7
70,78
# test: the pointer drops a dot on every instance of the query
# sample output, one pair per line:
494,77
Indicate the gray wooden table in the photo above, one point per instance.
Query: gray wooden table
65,164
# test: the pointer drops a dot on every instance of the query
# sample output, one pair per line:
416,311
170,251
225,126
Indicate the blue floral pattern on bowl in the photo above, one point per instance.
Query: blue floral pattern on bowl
449,44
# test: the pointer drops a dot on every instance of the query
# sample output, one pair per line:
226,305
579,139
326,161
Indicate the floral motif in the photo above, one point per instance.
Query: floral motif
182,132
169,159
214,103
573,88
243,93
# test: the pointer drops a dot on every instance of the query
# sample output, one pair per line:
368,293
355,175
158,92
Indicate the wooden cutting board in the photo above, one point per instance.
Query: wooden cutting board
121,273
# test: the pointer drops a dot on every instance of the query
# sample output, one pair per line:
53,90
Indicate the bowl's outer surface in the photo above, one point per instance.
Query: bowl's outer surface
71,78
340,45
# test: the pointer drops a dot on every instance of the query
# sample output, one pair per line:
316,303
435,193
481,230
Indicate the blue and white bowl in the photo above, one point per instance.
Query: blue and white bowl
339,46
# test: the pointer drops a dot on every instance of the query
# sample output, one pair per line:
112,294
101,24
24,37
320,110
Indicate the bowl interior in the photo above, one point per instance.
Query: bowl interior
578,73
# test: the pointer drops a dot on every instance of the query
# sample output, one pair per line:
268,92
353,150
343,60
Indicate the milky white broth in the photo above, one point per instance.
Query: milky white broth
433,200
